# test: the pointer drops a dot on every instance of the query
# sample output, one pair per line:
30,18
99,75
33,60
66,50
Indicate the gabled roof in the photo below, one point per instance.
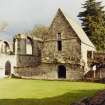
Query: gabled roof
78,30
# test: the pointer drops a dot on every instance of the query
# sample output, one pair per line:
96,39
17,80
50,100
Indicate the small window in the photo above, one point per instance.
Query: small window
59,36
59,42
59,45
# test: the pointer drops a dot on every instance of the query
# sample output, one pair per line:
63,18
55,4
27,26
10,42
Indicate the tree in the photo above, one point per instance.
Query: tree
40,31
93,22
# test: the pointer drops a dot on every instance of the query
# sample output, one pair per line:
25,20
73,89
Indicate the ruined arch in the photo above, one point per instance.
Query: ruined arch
61,71
29,46
8,68
5,48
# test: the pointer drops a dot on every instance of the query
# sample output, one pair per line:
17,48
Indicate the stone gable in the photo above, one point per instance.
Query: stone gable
71,45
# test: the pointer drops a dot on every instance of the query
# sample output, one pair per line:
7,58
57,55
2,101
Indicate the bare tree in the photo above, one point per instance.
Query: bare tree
40,31
3,26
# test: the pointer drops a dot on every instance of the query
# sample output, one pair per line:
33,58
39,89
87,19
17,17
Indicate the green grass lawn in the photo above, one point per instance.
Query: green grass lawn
40,92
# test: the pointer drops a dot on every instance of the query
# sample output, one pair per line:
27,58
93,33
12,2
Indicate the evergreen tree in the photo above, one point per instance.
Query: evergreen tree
93,22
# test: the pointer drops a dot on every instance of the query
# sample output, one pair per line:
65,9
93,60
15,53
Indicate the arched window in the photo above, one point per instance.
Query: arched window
61,71
29,46
7,68
5,47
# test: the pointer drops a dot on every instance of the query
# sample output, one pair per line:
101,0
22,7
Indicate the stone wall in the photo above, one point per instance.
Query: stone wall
71,45
42,71
22,58
26,60
50,71
21,45
6,58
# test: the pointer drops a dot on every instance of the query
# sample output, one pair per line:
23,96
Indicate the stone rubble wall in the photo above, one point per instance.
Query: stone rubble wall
26,60
49,71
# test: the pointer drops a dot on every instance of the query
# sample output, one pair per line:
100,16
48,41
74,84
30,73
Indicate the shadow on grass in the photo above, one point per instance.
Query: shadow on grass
65,99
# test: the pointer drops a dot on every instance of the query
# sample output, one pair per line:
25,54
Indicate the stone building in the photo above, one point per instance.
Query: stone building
62,55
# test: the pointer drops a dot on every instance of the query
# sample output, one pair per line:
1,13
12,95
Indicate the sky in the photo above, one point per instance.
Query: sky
19,16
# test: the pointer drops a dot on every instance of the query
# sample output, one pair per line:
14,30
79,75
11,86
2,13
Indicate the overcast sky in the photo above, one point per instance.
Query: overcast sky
21,15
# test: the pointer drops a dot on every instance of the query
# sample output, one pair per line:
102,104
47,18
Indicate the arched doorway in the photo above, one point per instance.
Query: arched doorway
7,68
61,71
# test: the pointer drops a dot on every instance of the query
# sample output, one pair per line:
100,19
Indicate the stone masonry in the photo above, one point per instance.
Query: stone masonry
62,55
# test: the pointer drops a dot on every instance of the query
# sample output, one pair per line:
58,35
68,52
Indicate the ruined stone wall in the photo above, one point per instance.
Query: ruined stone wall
21,45
6,47
19,58
37,49
71,45
6,58
74,72
50,71
42,71
26,60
